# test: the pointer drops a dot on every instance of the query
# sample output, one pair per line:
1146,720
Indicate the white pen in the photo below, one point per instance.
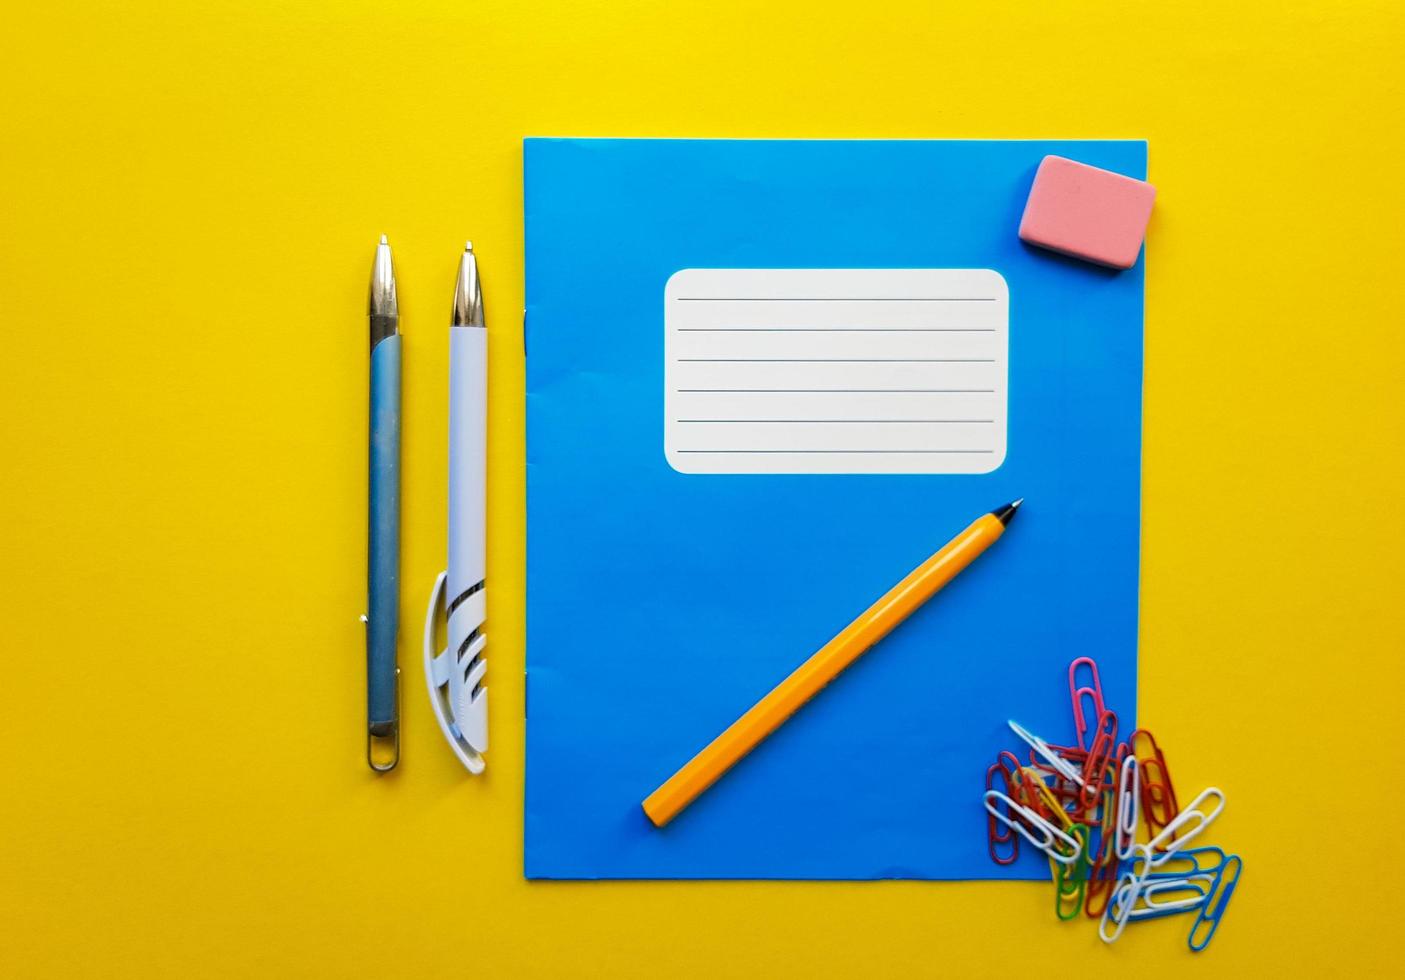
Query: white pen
455,674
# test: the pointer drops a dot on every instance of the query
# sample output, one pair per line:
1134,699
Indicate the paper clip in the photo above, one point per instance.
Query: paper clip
1213,908
1183,863
1046,752
1077,694
1104,816
1095,900
1068,795
1050,835
1124,896
1101,877
1063,788
1158,795
1027,795
1100,753
1068,753
1157,898
1066,790
1102,871
1187,825
1128,806
1042,800
999,837
1070,881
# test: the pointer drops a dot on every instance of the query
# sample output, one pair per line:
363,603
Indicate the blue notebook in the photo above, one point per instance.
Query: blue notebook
765,380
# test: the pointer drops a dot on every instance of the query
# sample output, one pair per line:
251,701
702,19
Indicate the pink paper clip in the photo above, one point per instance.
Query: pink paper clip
1094,694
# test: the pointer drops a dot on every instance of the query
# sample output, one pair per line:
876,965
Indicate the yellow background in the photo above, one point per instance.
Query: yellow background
189,196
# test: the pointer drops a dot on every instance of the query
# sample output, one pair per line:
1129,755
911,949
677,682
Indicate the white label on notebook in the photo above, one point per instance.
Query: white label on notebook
835,370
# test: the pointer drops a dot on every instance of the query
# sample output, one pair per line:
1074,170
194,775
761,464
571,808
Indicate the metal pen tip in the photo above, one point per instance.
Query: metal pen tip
1004,514
383,300
468,292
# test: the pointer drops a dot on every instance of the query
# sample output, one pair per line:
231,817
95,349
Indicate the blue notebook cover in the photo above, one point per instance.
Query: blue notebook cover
683,557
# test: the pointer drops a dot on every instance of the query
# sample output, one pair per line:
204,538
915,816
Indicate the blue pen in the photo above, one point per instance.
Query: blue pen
383,543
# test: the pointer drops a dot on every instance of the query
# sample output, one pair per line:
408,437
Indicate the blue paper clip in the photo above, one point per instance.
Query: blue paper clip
1213,908
1135,900
1182,864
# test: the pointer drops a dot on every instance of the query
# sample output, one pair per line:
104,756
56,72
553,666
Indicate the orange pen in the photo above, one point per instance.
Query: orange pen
744,734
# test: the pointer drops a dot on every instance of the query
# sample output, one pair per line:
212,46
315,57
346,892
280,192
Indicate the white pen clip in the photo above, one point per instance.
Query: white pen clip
455,674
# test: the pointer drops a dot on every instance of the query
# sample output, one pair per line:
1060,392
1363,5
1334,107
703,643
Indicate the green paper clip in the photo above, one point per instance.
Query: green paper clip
1071,881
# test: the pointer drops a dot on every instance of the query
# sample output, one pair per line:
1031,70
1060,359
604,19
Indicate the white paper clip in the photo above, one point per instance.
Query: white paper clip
455,676
1119,907
1060,765
1157,897
1139,898
1194,818
1050,833
1129,807
1187,863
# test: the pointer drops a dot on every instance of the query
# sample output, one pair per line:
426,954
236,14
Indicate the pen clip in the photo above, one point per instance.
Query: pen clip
383,749
455,675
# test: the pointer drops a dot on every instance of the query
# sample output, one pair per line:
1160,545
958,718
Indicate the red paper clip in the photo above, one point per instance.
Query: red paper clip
1159,805
1068,794
1102,871
1101,878
1066,791
1025,793
1069,752
1000,835
1078,694
1101,754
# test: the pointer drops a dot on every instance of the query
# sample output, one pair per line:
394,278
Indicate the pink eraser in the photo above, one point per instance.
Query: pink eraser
1087,212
